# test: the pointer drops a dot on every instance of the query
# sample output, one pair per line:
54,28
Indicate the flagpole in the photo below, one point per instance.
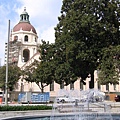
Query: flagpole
6,83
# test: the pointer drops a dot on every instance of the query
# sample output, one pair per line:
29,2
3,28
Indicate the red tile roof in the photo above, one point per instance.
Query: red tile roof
25,26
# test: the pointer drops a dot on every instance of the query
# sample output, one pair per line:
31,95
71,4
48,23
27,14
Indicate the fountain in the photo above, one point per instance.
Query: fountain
77,105
80,105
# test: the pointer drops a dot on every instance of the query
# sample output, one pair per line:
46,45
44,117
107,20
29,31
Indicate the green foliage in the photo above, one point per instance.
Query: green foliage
85,28
25,108
63,73
14,74
41,72
109,68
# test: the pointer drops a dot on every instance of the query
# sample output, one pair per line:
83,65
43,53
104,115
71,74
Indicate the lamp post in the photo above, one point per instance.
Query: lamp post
0,62
6,82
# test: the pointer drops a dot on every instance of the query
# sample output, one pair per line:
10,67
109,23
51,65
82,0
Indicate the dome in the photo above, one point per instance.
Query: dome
24,23
25,26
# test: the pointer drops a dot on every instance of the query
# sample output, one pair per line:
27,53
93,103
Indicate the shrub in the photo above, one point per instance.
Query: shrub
25,108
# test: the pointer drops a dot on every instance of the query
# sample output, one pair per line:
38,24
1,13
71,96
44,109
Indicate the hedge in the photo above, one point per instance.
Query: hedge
25,108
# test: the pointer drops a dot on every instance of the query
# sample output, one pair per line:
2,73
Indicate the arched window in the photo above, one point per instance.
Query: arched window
26,38
26,55
35,39
71,86
16,38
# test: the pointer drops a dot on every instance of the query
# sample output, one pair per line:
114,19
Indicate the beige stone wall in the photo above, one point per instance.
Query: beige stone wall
34,87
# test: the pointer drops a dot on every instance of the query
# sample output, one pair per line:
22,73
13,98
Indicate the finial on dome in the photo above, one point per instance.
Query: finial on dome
24,17
25,9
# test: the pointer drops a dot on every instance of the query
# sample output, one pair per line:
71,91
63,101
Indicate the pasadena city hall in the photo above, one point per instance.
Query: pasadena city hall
23,51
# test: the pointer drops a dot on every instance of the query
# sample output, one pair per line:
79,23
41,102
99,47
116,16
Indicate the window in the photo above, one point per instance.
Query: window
33,51
35,39
26,54
71,86
81,85
22,87
114,87
62,85
107,87
52,86
26,38
15,38
99,85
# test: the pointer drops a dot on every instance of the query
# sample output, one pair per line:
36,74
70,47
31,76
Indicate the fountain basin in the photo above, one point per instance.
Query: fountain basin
115,116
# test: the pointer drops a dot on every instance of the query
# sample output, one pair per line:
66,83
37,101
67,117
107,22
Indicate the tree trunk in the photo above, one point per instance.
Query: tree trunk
42,90
91,83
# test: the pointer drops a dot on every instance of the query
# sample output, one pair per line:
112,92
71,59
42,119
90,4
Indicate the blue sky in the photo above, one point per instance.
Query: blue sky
43,16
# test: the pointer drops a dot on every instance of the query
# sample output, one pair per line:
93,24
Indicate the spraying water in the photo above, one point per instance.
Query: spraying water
80,105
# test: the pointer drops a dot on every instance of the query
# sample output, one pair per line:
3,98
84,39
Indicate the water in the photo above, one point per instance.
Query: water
114,117
82,105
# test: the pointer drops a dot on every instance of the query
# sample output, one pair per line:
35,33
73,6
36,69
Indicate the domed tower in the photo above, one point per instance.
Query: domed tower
24,41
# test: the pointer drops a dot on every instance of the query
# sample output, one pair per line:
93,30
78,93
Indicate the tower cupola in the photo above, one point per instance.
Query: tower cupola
24,17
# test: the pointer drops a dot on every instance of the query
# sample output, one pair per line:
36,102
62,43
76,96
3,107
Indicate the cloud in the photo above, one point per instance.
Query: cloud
4,11
48,35
41,10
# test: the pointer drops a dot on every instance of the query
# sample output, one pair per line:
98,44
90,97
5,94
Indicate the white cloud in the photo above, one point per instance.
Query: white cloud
4,11
40,10
48,35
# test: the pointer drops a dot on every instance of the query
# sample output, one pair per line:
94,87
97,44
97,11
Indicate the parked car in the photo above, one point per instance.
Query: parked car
93,96
117,98
66,99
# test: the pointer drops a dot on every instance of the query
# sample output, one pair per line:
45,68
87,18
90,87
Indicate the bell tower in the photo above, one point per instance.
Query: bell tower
23,41
24,17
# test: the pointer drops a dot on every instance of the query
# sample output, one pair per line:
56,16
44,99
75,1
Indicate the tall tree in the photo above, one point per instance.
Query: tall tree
85,27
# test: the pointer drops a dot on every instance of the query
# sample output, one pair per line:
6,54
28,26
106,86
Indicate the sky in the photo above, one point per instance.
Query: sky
43,15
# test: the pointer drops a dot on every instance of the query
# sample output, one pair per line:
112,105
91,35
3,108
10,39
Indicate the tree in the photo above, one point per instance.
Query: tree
28,74
64,74
41,72
43,75
86,27
109,68
2,77
14,74
51,67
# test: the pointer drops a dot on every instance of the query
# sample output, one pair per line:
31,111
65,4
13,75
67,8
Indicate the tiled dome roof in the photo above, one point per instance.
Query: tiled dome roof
25,26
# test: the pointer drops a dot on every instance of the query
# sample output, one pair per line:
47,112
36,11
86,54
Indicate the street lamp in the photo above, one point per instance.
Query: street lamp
6,82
